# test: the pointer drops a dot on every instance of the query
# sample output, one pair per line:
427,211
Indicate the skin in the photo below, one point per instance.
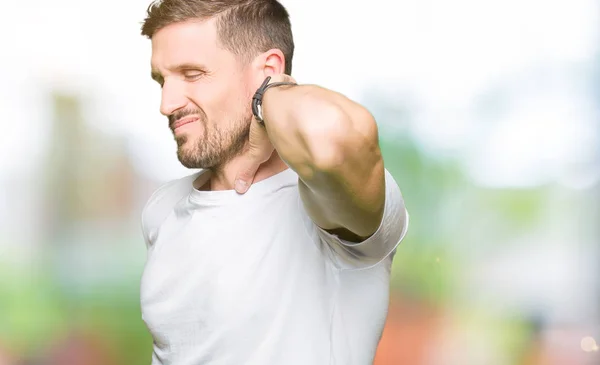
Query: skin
330,141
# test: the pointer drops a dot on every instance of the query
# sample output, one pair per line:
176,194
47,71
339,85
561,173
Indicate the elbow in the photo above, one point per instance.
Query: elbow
338,137
327,137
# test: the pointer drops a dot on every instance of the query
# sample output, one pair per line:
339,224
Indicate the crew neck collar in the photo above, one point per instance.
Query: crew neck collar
271,184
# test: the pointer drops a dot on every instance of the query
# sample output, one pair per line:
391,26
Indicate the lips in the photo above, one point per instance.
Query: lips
183,122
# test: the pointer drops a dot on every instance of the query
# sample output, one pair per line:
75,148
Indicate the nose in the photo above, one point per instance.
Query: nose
173,98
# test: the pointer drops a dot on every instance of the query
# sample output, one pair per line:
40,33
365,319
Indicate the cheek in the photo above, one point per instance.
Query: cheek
230,110
222,100
211,97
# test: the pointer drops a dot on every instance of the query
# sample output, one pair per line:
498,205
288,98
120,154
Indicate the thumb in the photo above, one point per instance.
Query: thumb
246,176
260,150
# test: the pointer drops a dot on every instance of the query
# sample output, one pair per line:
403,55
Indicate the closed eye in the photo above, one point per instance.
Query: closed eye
189,72
192,75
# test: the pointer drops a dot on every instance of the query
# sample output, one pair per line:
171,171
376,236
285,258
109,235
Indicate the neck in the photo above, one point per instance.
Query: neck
223,178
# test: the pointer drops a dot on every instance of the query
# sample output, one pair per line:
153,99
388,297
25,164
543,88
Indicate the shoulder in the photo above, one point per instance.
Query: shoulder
162,202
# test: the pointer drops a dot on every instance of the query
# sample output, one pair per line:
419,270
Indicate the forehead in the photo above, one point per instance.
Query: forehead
185,42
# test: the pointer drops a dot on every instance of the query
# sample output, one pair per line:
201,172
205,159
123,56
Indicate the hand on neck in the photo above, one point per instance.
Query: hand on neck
224,178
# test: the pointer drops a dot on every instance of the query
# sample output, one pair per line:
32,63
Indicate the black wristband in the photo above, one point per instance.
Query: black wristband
257,98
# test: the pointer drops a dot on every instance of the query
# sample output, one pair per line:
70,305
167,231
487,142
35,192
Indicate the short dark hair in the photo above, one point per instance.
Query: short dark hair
244,27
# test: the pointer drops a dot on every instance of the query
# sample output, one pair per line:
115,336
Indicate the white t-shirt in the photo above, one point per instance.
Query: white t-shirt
250,279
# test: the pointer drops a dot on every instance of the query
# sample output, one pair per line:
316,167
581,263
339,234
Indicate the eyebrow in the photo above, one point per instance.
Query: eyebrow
156,76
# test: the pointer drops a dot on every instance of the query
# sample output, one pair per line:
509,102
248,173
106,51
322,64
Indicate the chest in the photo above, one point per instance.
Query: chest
227,268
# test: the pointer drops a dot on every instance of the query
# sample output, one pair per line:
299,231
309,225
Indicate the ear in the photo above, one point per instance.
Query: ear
269,63
274,62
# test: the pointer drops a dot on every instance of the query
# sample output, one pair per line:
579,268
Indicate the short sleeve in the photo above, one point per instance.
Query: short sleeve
161,204
382,244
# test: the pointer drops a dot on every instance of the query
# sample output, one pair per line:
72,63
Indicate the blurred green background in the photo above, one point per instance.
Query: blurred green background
488,115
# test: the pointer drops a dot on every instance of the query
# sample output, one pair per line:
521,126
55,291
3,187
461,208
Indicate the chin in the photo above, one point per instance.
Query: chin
191,158
186,145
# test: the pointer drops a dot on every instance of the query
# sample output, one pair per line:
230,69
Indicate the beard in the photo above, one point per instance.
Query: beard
216,146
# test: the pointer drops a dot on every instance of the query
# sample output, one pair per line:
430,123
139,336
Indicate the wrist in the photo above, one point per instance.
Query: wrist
258,98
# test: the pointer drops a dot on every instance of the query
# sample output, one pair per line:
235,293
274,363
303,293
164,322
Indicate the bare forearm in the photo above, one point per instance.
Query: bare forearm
331,142
308,126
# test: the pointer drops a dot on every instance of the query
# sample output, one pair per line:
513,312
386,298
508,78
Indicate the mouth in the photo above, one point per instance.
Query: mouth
181,122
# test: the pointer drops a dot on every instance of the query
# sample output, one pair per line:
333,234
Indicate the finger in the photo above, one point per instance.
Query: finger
259,152
282,78
245,177
259,140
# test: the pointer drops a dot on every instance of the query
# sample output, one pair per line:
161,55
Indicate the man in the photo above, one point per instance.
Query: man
279,250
